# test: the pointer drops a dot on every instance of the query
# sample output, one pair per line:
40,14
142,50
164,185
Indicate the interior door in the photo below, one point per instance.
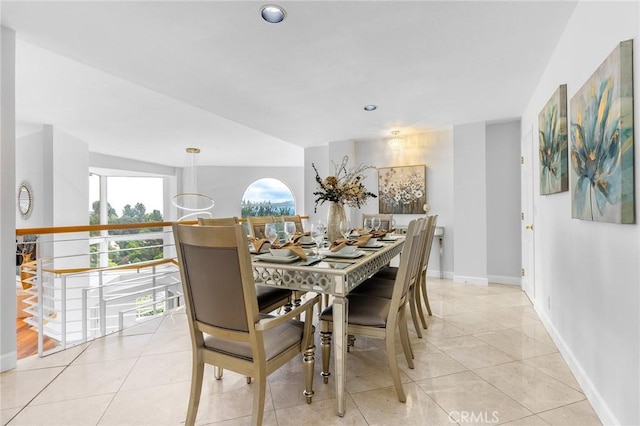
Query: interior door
527,225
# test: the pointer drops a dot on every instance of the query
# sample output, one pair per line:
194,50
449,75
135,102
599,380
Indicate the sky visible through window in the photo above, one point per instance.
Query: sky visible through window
268,189
128,190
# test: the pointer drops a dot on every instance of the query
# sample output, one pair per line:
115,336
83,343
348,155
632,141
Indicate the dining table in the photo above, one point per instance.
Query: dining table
333,274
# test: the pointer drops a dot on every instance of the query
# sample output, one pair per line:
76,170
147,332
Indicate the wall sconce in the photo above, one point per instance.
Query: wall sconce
395,143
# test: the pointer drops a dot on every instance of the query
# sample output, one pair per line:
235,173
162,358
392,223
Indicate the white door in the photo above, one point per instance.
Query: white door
527,228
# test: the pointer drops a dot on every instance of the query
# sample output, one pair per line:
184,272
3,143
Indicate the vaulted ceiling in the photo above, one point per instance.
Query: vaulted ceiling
145,80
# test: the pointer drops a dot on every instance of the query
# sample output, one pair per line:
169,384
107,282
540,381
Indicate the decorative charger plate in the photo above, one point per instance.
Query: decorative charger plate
353,255
268,257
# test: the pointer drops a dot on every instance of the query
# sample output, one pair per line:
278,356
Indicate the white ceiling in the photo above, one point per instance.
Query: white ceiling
145,80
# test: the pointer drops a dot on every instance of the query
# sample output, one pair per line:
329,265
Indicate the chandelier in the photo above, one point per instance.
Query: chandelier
190,200
395,143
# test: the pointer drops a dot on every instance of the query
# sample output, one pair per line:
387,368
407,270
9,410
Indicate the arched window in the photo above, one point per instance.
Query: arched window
268,197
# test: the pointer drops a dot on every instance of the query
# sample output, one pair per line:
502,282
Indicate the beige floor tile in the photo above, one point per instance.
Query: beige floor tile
7,414
516,344
527,421
320,413
430,364
175,321
465,395
579,413
458,305
160,369
555,366
287,385
114,347
506,300
84,380
538,332
440,329
160,405
473,353
268,419
145,327
58,359
529,386
19,387
474,323
381,407
80,412
510,317
169,341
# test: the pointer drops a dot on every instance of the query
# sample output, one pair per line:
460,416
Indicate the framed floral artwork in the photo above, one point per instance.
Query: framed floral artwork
602,186
402,190
553,146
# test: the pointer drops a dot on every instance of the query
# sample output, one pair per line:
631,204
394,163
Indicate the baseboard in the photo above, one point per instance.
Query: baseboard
8,361
434,273
499,279
590,390
483,281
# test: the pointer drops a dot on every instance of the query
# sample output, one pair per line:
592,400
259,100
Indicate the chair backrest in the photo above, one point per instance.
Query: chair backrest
295,219
386,220
429,242
409,263
256,225
217,221
217,279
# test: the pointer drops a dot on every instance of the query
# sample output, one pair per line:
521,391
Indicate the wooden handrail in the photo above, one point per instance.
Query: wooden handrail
112,268
89,228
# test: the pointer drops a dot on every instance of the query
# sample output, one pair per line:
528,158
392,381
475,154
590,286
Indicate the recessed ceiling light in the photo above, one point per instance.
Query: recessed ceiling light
370,107
272,13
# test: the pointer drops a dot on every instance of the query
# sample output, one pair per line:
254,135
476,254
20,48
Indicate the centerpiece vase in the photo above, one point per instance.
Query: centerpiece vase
334,217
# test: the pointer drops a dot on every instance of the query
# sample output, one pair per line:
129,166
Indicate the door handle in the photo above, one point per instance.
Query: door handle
529,227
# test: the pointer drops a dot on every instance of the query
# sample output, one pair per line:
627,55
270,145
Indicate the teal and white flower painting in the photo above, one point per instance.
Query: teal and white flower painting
602,187
553,144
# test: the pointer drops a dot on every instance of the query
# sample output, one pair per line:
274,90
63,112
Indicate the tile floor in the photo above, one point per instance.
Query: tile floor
485,359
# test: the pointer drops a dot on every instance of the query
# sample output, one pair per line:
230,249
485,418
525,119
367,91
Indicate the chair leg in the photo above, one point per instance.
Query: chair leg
197,372
325,344
418,294
217,372
393,364
414,314
404,339
309,361
259,393
423,287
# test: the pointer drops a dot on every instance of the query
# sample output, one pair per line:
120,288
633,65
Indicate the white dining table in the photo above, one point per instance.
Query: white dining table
335,276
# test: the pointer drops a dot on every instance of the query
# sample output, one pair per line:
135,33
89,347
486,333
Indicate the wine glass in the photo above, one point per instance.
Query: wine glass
317,233
271,232
367,225
289,230
345,228
375,223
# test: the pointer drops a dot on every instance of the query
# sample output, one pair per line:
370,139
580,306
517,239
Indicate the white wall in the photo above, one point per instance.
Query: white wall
29,161
226,185
589,271
503,202
8,194
470,204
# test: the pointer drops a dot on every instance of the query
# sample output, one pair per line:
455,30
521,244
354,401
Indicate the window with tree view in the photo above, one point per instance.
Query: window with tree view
129,200
268,197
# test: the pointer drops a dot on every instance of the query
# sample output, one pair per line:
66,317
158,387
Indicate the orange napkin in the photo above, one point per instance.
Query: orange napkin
381,233
341,243
258,243
294,247
298,235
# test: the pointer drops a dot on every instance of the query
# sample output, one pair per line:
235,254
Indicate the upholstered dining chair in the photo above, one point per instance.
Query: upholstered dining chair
218,221
381,284
386,220
421,288
226,327
379,317
256,225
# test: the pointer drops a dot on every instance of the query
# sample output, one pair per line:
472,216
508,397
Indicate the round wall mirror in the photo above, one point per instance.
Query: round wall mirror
25,199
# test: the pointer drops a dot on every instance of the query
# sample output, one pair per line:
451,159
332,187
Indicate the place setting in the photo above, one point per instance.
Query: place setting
286,251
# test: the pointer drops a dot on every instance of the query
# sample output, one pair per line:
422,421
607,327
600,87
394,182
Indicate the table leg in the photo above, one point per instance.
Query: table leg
340,312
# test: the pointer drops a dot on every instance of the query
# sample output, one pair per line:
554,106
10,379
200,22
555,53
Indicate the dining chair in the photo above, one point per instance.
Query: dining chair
226,328
295,219
256,225
269,298
379,317
421,288
218,221
381,283
386,220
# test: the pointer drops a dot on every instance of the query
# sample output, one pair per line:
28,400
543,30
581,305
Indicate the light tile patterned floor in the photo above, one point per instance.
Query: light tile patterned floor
485,359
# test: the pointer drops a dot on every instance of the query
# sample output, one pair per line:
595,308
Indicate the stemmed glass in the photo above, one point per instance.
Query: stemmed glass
271,232
289,230
375,223
345,228
317,233
367,225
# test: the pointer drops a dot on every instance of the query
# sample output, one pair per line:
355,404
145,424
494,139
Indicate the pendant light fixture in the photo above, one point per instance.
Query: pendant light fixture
190,200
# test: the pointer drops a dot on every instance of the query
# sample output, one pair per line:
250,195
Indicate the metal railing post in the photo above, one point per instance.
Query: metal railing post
102,305
85,318
63,312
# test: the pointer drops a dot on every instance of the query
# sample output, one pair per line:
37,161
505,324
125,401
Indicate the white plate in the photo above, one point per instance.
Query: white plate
268,257
353,255
373,246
